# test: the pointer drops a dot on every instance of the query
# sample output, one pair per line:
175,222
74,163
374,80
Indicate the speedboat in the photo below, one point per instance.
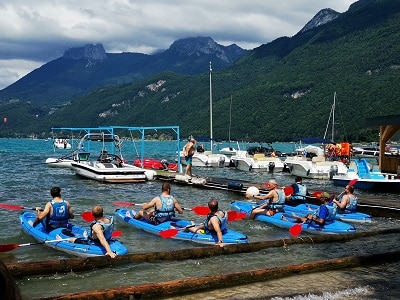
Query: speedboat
66,160
109,167
258,161
229,236
206,159
367,179
60,238
310,162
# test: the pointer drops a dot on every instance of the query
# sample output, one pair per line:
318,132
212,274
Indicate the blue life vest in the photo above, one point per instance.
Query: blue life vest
60,215
331,208
300,192
223,221
167,207
352,206
281,200
107,227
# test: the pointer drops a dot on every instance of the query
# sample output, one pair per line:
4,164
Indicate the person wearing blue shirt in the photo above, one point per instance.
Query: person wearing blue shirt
299,194
324,215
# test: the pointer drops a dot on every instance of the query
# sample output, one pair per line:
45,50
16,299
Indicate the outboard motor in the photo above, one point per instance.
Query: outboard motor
221,162
271,166
333,171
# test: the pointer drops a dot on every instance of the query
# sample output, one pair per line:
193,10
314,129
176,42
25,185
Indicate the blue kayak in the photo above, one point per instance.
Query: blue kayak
229,236
59,238
303,209
285,220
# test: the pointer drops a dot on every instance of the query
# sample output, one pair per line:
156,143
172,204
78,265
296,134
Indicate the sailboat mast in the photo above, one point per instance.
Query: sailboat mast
211,114
333,117
230,122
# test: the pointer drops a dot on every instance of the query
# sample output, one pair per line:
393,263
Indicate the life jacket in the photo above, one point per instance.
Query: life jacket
223,221
278,205
300,192
331,212
352,206
108,228
167,207
60,215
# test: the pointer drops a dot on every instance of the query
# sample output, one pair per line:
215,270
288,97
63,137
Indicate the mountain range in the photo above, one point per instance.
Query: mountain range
280,91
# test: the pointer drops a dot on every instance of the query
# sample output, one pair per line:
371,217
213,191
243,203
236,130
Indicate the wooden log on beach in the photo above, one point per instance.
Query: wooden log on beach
197,284
25,269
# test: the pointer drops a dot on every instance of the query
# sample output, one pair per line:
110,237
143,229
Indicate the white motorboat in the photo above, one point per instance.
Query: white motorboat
367,178
109,167
206,159
258,161
62,144
66,160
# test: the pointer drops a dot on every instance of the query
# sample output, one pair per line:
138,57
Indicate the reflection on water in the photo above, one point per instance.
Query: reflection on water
26,181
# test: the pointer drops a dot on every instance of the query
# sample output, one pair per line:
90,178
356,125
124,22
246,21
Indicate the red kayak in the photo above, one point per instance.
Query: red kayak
154,164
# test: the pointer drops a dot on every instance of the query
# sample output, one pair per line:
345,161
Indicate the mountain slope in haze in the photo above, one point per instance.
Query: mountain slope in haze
85,68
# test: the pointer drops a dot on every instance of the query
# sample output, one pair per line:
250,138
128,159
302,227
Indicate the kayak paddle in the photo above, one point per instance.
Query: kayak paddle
9,247
200,210
318,193
287,190
15,207
169,233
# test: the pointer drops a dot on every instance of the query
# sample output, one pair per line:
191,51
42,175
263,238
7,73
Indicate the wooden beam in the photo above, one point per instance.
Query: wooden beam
197,284
24,269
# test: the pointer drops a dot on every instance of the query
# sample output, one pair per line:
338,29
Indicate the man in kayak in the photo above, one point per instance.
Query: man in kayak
325,214
57,212
348,203
188,152
216,222
101,230
299,194
162,208
276,198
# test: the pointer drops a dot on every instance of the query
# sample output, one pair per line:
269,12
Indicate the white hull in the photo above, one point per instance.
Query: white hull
59,163
110,172
61,144
207,159
317,168
245,162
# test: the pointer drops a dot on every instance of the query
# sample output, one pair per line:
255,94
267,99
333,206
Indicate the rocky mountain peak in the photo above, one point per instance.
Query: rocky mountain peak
322,17
90,52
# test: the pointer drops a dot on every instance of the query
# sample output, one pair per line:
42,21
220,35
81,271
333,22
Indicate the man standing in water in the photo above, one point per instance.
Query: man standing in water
188,152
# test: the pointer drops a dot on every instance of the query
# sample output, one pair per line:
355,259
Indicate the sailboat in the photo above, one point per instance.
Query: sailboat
208,158
313,161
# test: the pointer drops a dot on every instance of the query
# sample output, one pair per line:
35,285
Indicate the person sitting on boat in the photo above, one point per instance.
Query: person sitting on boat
57,212
162,207
299,194
276,198
216,222
325,214
200,148
101,230
349,201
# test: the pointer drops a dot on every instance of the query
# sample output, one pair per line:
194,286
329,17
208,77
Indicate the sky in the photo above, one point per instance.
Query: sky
35,32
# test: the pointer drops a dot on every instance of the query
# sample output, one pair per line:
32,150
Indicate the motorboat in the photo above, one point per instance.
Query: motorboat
207,159
310,162
109,167
367,179
155,164
258,161
66,160
62,144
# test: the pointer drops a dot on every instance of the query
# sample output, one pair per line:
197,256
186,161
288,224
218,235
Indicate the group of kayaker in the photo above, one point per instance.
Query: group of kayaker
57,213
324,215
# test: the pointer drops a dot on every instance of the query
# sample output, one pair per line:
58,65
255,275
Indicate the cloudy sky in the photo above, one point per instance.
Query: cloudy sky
35,32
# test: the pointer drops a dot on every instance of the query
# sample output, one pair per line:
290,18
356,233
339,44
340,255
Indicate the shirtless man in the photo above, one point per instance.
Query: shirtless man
188,152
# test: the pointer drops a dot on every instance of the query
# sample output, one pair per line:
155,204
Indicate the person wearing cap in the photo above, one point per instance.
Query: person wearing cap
299,194
349,201
276,198
188,152
325,214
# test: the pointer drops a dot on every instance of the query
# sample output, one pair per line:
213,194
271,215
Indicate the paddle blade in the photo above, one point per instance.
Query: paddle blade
87,216
353,181
317,194
11,207
120,203
241,215
116,233
201,210
295,230
288,190
169,233
232,216
8,247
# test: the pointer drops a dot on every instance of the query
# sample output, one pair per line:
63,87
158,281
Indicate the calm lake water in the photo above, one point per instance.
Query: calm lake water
26,181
